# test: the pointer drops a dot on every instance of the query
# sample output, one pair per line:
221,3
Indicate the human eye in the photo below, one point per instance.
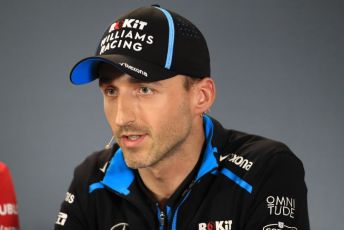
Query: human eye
110,92
145,90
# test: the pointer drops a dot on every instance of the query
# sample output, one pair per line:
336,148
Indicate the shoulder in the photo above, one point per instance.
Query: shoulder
255,148
246,153
268,179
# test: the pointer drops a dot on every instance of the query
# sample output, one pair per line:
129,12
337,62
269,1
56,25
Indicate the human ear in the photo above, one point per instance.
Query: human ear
205,93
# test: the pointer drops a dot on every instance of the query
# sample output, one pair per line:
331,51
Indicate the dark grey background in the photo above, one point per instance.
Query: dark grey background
278,66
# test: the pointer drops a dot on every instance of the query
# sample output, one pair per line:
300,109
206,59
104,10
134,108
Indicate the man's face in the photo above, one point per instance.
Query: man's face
150,121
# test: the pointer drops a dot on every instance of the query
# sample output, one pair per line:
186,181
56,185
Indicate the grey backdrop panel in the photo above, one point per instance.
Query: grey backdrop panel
278,66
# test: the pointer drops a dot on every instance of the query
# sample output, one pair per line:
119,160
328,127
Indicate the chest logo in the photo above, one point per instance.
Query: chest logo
278,226
281,206
104,167
223,157
216,225
240,161
120,226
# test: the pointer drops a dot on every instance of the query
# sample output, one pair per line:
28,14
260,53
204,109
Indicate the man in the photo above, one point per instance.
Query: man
173,166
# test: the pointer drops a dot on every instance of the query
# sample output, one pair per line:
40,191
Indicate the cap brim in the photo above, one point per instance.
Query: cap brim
85,70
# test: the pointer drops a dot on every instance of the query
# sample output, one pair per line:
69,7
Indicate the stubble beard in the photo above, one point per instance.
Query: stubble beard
166,143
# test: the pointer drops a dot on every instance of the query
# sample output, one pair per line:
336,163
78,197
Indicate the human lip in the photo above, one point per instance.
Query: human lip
132,140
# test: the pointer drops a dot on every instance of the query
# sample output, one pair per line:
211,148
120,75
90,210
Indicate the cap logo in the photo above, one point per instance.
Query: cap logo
128,23
137,70
126,34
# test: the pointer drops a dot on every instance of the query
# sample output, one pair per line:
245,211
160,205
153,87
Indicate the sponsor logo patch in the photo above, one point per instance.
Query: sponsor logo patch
281,206
216,225
223,157
278,226
120,226
128,23
135,69
104,167
61,218
69,198
2,227
8,209
126,34
238,160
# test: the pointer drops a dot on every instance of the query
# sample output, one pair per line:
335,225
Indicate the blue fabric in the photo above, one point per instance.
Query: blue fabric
170,38
168,213
209,161
118,176
243,184
94,186
82,72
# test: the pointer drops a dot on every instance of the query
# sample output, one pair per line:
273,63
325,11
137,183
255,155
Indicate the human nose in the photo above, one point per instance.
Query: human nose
125,110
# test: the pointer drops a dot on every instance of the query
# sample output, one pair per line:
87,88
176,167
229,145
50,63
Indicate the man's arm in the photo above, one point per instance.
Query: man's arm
280,199
72,215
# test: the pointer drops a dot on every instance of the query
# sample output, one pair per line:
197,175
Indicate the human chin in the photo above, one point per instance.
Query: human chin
136,158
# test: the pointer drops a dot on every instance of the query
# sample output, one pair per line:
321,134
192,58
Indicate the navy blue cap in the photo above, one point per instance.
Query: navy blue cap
149,44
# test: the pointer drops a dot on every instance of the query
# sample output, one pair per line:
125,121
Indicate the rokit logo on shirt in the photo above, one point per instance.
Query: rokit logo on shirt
216,225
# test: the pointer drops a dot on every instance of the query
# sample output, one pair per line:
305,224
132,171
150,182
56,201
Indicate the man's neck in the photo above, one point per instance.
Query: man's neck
163,179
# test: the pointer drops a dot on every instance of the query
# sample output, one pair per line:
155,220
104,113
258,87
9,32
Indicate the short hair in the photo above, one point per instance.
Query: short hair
189,82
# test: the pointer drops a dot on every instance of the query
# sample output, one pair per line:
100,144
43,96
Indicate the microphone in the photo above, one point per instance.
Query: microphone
8,204
108,146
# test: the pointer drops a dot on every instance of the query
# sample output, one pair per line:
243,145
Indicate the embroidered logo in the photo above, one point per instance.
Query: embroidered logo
281,206
120,226
278,226
61,218
240,161
216,225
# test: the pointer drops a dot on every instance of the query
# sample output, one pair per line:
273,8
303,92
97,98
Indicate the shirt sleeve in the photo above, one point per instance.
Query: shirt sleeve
280,196
72,212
